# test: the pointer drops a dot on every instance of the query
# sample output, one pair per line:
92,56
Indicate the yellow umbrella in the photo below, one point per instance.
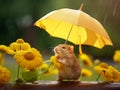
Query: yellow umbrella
75,26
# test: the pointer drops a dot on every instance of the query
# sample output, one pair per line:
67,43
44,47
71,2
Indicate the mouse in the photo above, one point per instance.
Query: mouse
69,64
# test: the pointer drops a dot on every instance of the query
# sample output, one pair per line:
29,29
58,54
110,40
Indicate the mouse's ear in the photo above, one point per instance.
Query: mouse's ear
71,49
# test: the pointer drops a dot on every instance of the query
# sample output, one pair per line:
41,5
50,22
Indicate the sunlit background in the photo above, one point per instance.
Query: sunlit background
17,19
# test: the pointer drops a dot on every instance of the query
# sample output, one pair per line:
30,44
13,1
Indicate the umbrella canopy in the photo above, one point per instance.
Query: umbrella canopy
75,26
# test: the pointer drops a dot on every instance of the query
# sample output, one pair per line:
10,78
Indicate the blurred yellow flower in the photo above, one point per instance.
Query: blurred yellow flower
55,62
116,74
85,59
29,59
104,65
19,45
108,73
1,58
116,56
4,75
86,72
44,67
5,49
96,61
48,70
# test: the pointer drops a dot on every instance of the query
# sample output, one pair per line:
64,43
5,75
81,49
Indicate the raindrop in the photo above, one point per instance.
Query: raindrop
100,1
114,9
104,20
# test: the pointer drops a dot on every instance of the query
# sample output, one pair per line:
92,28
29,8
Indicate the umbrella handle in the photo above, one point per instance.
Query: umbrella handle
81,6
80,49
68,34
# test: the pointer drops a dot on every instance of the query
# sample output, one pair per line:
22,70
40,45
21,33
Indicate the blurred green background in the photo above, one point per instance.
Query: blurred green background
18,16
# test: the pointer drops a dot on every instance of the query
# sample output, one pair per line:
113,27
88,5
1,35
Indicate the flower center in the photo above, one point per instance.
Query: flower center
85,62
3,50
29,56
84,74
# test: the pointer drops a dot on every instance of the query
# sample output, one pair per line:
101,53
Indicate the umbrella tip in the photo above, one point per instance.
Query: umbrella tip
81,6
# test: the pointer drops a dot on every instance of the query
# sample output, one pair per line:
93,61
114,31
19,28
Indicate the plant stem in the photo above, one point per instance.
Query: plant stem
46,61
18,71
46,69
100,75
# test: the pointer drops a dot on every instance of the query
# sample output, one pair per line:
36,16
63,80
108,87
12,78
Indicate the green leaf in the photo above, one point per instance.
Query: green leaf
30,76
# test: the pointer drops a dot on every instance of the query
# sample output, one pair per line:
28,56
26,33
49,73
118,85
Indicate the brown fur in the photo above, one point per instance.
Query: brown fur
70,68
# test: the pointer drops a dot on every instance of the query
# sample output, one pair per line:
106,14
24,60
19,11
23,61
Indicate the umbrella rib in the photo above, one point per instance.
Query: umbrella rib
60,22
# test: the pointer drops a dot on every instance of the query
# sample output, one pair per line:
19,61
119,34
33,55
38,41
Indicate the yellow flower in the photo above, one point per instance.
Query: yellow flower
28,59
101,68
54,61
85,72
105,73
44,67
108,73
116,56
4,75
116,74
85,59
103,65
1,58
19,45
5,49
48,70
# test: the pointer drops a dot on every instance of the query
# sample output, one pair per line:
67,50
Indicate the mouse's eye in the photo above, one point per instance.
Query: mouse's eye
63,47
